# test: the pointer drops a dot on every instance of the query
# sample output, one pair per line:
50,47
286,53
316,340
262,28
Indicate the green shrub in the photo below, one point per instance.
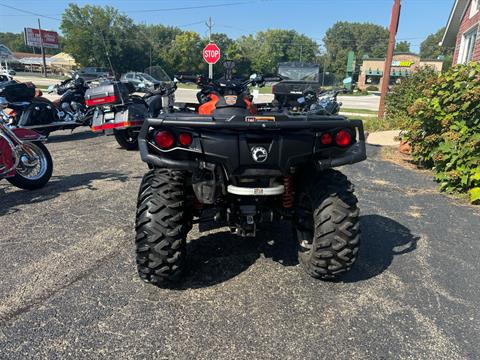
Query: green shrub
372,88
443,127
403,95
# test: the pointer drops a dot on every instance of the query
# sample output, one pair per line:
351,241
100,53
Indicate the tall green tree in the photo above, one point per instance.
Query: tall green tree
99,36
402,47
268,48
430,48
364,39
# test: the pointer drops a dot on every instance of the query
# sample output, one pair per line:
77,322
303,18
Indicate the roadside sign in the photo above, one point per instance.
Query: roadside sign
32,38
211,53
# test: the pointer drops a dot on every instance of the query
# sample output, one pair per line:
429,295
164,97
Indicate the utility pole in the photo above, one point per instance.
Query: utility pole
388,62
210,26
43,50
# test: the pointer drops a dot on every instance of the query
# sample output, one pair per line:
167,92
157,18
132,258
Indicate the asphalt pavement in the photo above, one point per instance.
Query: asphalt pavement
69,288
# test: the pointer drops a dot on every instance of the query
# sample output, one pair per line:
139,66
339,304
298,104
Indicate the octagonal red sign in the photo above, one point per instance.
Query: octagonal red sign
211,53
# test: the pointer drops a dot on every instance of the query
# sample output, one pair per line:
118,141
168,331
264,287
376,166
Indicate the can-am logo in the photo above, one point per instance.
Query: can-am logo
259,154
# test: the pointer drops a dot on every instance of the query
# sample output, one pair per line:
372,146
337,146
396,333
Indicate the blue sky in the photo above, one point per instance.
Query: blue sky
311,17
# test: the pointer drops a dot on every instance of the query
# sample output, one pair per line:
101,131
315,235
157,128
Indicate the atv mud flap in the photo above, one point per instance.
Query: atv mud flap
289,141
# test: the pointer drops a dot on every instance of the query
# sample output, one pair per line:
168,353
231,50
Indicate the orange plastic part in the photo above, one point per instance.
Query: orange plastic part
208,107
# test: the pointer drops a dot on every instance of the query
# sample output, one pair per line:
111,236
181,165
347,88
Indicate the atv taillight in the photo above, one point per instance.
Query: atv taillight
326,139
185,139
164,139
343,138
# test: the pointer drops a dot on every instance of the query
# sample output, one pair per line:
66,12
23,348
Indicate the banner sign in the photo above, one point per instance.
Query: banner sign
50,38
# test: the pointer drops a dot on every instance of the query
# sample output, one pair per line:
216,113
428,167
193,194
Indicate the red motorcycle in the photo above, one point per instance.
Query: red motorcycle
24,161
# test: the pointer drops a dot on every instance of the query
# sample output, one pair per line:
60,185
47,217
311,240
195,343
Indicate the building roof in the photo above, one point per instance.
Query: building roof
22,55
454,22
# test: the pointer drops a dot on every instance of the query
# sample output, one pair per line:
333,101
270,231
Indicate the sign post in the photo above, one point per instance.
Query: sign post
44,69
211,55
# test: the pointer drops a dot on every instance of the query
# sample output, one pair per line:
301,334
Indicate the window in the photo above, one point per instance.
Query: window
474,8
467,47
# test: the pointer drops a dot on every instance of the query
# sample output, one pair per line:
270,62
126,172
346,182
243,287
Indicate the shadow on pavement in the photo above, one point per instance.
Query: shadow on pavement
219,257
57,186
81,135
382,240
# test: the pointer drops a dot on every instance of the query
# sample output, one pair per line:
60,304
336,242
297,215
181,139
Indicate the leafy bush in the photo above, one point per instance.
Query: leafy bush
372,88
443,126
403,95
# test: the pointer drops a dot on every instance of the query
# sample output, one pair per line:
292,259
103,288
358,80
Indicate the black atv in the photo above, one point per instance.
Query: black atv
246,168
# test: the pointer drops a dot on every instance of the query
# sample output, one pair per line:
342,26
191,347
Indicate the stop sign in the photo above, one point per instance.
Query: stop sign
211,53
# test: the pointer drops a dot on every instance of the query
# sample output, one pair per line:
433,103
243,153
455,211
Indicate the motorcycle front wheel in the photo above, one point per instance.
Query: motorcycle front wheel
35,169
126,138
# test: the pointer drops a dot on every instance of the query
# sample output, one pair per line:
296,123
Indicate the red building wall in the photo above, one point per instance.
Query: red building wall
467,24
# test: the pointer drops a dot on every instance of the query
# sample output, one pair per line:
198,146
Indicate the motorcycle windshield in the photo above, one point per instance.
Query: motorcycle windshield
156,73
298,73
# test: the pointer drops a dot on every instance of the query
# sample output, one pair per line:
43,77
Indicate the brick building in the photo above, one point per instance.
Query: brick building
404,64
463,31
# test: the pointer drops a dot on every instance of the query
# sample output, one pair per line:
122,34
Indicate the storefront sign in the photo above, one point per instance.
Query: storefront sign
399,63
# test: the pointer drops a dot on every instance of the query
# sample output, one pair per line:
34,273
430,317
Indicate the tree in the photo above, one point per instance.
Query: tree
402,47
430,48
185,54
364,39
268,48
97,35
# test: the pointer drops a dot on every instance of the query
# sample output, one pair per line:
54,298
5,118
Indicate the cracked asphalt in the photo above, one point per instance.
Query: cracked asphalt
69,288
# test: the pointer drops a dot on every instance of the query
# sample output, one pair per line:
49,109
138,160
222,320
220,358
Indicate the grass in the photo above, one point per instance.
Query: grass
373,123
358,111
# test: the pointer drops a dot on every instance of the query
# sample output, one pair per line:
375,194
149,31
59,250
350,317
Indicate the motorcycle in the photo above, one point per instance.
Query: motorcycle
119,111
325,103
24,160
35,112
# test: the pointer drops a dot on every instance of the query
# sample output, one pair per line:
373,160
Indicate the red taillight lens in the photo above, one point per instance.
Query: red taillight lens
185,139
164,139
111,99
343,138
326,139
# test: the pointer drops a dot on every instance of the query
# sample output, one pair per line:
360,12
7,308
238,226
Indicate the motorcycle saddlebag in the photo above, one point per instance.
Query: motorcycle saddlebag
38,113
18,92
112,93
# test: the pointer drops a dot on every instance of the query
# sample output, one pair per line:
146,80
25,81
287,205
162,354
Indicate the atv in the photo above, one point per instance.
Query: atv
226,160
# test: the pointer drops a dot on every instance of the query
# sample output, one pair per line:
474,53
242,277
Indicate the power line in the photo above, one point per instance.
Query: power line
190,7
30,12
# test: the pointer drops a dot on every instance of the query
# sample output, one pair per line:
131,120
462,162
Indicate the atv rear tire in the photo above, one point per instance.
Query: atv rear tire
126,138
162,224
329,236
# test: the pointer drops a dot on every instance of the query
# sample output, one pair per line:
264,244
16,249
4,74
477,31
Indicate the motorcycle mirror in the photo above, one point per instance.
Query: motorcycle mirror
3,103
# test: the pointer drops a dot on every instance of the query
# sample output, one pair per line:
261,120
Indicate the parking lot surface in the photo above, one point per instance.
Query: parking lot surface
69,288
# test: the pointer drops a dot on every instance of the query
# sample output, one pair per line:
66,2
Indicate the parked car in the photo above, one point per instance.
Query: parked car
91,73
137,78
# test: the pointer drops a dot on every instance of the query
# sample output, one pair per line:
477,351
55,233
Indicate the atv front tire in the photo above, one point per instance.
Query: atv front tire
329,235
161,226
